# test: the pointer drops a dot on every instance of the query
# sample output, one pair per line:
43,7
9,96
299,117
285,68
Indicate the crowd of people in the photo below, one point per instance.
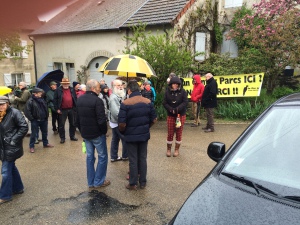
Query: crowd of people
127,108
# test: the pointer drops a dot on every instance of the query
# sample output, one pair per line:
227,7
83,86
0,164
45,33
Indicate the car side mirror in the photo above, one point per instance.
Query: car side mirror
216,151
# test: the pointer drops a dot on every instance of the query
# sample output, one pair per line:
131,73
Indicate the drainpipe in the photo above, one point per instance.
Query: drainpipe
34,58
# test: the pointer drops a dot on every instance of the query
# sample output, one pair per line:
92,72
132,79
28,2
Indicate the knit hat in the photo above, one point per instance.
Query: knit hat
3,99
175,80
75,83
37,90
103,86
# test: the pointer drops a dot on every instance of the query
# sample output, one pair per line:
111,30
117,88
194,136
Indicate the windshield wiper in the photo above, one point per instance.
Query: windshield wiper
242,180
295,198
250,183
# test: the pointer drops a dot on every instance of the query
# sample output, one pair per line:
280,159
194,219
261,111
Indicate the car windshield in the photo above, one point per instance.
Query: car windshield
270,151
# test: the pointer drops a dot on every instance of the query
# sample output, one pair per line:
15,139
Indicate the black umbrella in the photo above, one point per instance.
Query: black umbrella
44,81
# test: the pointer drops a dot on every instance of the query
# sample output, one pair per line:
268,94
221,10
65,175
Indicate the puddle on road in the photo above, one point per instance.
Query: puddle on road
99,205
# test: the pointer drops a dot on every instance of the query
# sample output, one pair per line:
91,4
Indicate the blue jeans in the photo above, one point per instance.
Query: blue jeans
35,125
96,177
114,146
11,180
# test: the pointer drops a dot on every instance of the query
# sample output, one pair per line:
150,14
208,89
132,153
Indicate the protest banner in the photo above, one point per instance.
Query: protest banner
242,85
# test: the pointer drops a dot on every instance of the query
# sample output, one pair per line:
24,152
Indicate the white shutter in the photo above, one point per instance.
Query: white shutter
237,3
27,77
7,79
24,53
233,3
49,67
72,74
229,46
200,46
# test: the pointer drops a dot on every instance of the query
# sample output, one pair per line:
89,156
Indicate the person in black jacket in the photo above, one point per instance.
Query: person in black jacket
13,128
65,101
209,101
147,92
136,116
49,99
36,111
91,121
175,102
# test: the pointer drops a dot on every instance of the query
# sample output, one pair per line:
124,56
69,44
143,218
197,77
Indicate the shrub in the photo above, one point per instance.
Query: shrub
244,108
282,91
160,110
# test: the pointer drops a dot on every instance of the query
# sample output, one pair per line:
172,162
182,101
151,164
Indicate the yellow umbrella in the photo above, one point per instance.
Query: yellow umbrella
4,90
127,66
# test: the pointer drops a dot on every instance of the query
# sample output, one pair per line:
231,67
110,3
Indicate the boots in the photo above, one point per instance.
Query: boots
176,153
169,146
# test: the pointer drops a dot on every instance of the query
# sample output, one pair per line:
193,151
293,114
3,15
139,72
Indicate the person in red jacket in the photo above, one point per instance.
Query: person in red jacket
196,98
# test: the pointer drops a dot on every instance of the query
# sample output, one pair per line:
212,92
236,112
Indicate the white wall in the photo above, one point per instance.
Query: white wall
76,48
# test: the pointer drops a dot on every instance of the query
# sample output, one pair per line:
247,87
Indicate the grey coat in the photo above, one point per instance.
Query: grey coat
114,107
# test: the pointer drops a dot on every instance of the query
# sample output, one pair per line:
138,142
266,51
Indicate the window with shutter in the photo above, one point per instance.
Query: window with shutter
58,66
7,79
229,46
16,78
200,45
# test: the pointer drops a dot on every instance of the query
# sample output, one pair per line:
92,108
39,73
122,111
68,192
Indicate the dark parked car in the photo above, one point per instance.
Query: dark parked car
257,181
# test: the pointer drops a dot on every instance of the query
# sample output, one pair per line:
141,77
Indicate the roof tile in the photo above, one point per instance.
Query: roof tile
94,15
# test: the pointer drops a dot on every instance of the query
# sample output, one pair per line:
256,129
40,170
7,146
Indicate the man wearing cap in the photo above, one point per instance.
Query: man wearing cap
209,101
13,128
36,111
49,99
65,102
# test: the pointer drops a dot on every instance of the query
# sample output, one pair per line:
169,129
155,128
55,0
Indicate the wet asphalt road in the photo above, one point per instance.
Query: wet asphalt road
56,189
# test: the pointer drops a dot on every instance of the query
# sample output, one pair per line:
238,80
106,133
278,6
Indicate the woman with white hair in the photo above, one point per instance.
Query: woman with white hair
81,90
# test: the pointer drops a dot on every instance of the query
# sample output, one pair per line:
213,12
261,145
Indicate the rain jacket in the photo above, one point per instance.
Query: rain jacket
13,128
198,89
21,102
49,99
153,91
